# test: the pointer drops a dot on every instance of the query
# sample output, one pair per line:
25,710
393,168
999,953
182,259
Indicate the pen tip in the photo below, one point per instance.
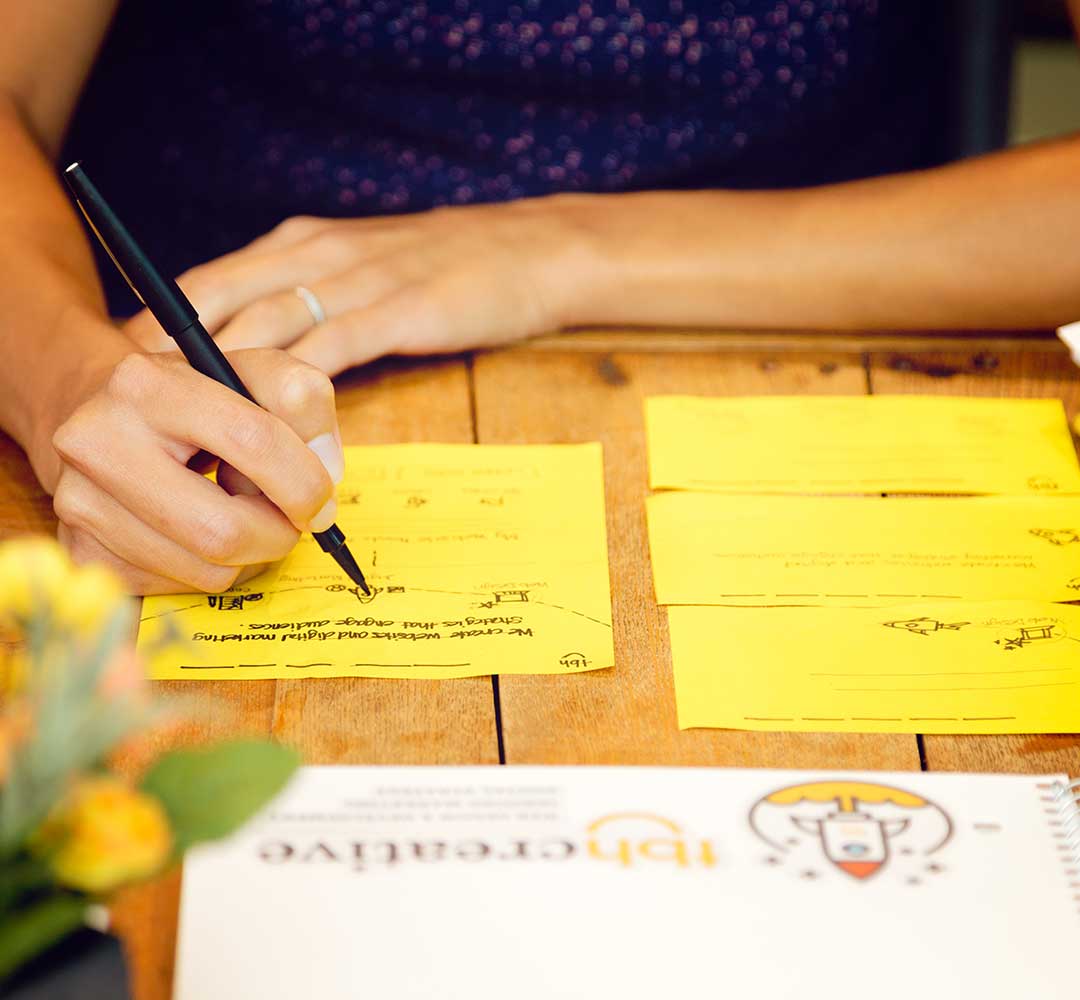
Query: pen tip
346,561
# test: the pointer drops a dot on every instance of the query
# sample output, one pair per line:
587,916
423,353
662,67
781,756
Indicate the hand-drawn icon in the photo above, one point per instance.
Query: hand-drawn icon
231,602
415,501
1074,583
1029,634
574,661
1042,483
925,626
1057,536
853,825
506,597
338,588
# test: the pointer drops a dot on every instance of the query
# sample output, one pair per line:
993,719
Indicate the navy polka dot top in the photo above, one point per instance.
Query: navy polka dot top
209,121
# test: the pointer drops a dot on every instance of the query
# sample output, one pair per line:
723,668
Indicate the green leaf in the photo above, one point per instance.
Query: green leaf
209,793
20,877
29,932
74,725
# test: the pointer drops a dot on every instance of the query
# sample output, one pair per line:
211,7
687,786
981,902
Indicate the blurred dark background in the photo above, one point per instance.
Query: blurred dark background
1044,17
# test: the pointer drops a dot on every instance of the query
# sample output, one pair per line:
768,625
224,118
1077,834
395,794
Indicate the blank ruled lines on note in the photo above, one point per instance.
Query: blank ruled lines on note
860,444
481,559
996,667
709,548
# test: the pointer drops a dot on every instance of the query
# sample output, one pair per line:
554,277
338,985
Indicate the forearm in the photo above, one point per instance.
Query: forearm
55,325
987,243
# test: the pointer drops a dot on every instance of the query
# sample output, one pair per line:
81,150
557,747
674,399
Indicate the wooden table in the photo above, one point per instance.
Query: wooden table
585,386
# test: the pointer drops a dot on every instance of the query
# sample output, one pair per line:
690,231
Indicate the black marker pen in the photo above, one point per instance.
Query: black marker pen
178,318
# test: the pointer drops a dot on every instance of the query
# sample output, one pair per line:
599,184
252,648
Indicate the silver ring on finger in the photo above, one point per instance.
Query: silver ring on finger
311,300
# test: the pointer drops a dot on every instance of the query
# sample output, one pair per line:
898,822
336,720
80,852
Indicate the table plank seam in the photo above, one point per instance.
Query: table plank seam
496,699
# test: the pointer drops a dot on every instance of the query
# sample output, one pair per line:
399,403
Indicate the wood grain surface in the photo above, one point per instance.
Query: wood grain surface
585,386
627,715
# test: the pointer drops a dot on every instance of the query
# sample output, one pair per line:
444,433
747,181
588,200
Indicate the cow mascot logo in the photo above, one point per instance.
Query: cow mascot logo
858,828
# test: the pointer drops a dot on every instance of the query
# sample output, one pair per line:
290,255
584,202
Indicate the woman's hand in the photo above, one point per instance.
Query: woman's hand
125,496
439,281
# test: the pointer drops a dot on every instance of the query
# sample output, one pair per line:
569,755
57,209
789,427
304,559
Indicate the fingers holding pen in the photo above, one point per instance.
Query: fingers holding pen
97,528
85,548
138,578
125,487
188,412
302,397
135,494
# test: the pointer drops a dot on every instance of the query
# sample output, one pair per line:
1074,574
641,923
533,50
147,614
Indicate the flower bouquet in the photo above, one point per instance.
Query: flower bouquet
72,698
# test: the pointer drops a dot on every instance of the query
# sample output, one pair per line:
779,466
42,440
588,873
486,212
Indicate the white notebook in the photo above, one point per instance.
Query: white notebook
525,883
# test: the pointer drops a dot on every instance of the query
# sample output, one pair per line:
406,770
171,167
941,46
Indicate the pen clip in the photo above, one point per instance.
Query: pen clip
108,250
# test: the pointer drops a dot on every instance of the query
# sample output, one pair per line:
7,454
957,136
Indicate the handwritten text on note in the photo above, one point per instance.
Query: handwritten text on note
481,559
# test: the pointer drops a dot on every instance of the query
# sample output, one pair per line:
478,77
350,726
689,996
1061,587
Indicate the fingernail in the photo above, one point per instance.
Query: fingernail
325,517
329,451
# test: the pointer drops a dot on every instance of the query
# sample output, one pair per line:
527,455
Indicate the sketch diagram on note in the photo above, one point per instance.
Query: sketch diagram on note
1057,536
1006,667
476,563
925,626
1022,635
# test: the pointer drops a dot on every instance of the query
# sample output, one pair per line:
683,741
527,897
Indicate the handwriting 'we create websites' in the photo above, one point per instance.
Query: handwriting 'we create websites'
483,560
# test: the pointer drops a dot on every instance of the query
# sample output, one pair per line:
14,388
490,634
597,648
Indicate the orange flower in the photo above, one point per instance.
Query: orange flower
104,835
125,676
13,670
16,723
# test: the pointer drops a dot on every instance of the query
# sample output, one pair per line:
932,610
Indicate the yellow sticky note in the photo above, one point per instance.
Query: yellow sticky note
998,667
481,559
860,444
709,548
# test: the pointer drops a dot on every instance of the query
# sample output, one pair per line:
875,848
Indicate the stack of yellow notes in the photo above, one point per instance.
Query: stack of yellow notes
477,562
847,613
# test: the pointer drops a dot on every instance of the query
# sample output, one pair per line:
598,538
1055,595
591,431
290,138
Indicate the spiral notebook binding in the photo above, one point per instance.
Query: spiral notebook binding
1066,799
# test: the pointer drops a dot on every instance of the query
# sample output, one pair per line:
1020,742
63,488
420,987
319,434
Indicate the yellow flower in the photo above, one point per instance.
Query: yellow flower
89,599
38,578
104,835
33,574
